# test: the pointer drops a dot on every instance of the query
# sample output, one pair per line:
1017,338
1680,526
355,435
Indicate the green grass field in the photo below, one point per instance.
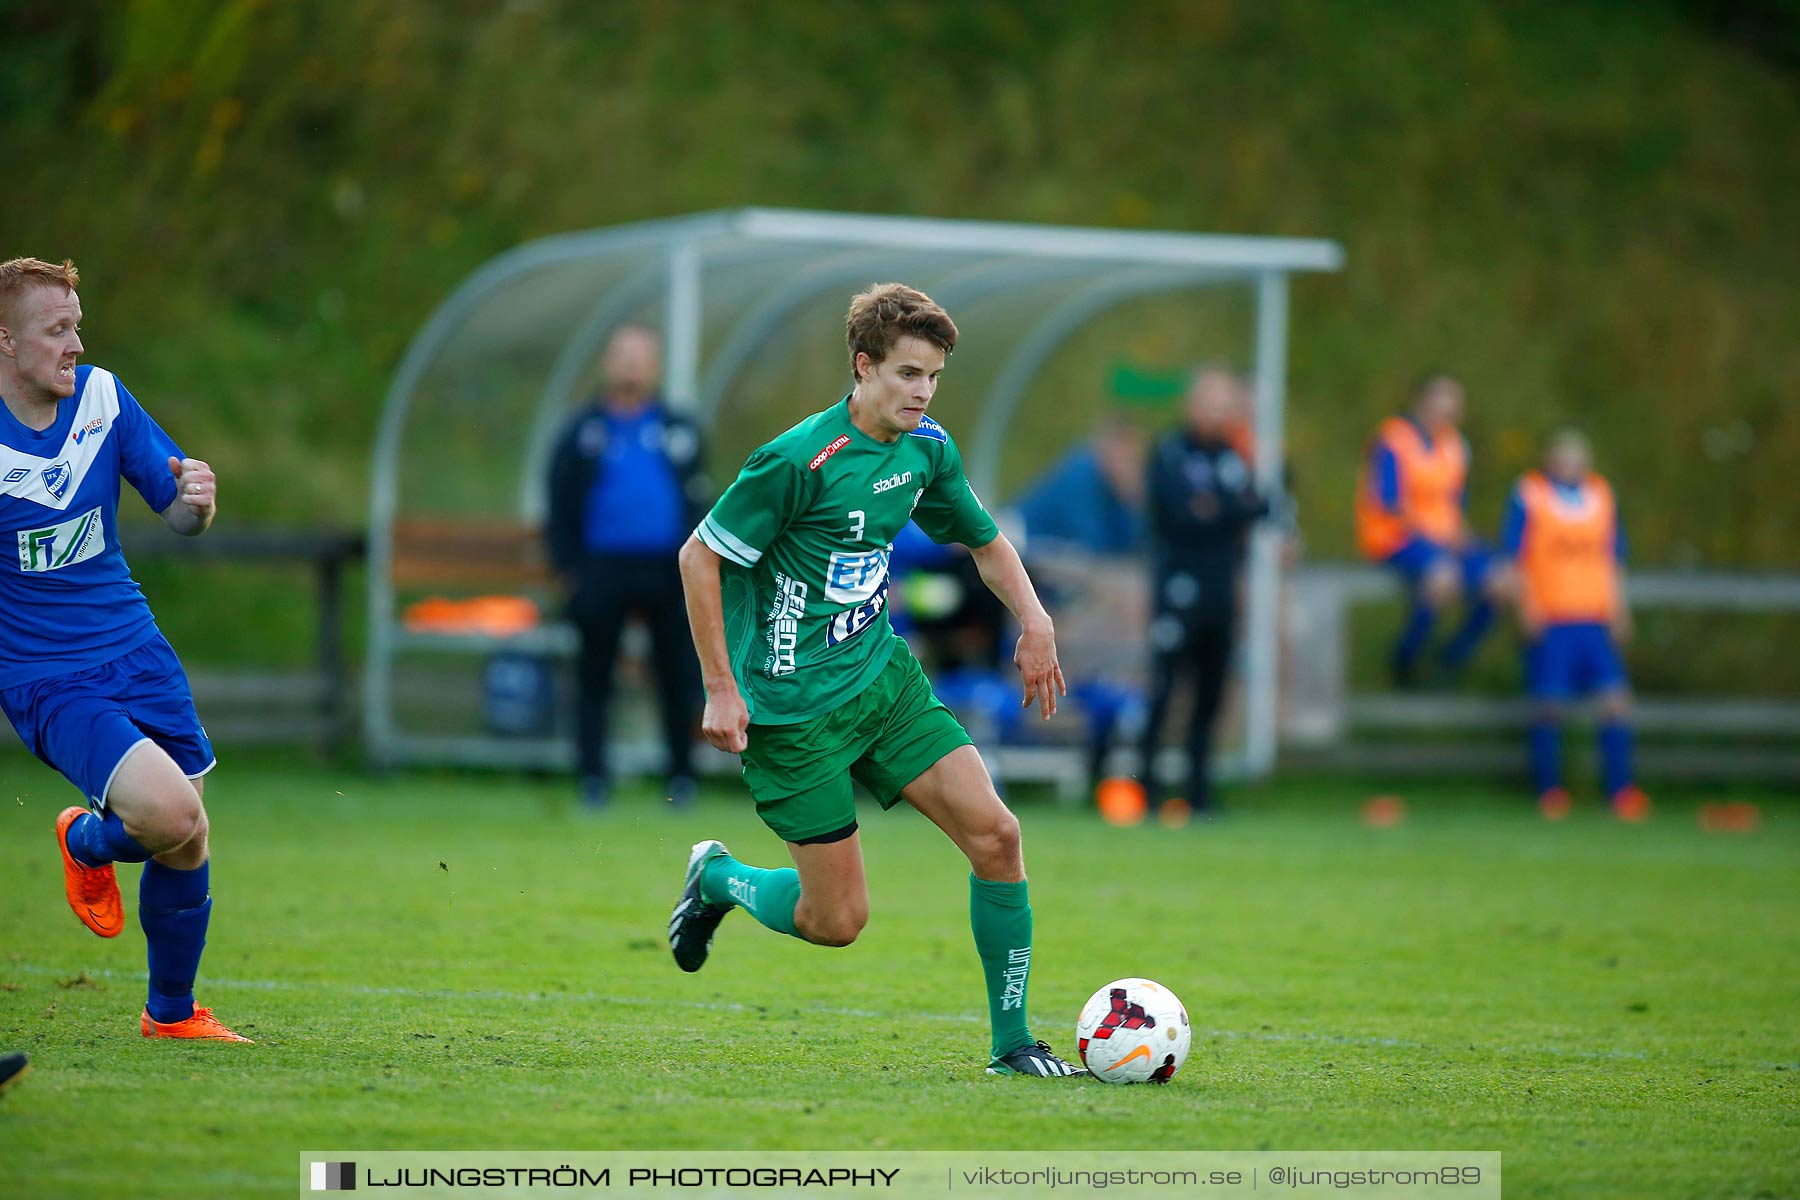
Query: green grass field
468,963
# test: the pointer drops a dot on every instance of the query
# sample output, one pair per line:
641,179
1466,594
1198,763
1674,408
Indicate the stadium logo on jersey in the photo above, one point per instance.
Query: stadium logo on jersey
837,443
63,545
929,428
92,426
892,482
56,479
17,473
853,577
784,624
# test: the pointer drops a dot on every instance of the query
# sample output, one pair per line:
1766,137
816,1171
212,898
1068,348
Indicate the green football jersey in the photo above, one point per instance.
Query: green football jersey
805,532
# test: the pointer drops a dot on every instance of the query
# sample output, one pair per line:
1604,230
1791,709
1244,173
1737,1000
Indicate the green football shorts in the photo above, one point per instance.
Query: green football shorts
799,775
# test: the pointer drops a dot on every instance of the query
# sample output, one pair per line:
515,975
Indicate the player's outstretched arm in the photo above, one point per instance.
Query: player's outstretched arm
727,717
196,497
1004,573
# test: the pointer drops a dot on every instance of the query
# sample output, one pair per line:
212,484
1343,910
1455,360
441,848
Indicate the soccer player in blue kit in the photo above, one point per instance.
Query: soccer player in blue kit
86,678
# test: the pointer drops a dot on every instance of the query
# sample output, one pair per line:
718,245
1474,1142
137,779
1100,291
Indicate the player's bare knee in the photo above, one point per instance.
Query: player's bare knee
176,819
996,850
1547,712
1615,707
1442,590
196,843
839,928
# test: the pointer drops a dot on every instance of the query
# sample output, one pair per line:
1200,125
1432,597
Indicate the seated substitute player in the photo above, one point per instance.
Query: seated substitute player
1410,514
1567,546
86,678
787,589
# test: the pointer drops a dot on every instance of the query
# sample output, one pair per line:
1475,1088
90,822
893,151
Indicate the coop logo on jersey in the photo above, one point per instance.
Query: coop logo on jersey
784,624
853,577
64,545
892,482
92,426
56,479
838,443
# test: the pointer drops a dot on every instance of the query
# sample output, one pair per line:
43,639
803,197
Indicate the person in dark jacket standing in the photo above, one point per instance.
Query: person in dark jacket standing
625,490
1201,502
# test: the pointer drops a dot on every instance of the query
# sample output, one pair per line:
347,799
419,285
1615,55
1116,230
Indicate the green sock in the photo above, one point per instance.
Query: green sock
1000,915
769,895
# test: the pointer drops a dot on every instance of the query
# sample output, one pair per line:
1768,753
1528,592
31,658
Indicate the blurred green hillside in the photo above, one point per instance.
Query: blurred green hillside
1586,208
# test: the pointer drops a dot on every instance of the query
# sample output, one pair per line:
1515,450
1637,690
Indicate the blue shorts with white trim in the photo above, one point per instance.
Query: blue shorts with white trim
85,724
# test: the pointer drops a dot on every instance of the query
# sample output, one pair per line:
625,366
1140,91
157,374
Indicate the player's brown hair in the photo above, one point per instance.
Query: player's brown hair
17,274
888,312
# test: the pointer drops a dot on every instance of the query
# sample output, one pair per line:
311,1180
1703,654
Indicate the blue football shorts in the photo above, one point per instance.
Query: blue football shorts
85,724
1567,661
1419,554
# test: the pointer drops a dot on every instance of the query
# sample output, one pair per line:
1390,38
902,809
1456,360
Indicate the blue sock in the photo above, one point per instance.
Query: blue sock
1615,756
1546,755
173,907
770,894
1414,636
1474,628
95,841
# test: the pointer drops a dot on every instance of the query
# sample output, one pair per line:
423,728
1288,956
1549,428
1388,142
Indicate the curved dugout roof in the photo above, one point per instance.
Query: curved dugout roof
751,300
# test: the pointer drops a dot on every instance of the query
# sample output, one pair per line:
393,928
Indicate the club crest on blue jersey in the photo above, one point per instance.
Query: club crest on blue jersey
56,479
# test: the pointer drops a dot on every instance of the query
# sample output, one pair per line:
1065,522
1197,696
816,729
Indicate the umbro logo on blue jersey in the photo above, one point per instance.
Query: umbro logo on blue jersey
92,426
17,473
56,479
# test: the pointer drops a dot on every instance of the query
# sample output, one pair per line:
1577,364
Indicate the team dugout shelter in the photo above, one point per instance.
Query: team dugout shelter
750,303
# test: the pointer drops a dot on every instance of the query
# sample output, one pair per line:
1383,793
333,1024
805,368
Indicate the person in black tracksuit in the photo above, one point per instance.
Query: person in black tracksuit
625,491
1201,503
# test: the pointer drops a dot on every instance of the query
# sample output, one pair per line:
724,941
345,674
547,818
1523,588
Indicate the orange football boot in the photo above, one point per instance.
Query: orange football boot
201,1025
93,892
1554,803
1630,803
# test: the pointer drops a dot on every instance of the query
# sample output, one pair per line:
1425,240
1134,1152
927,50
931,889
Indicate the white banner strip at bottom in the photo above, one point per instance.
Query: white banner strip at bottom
976,1175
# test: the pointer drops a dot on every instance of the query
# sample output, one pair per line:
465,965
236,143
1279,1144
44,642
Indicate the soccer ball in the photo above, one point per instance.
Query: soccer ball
1133,1031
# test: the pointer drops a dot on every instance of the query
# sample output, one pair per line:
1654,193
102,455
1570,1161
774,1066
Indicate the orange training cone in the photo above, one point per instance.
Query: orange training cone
1121,801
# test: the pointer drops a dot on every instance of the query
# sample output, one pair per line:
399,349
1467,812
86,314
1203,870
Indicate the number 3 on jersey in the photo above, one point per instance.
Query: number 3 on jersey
859,578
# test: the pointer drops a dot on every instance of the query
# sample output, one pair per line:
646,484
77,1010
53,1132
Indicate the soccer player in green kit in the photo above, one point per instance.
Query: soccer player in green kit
787,590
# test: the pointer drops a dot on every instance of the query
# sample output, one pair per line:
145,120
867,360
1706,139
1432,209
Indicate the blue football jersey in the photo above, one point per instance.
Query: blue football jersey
67,598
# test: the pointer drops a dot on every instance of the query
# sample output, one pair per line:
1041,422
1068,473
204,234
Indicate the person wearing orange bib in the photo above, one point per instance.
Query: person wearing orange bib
1410,515
1567,548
